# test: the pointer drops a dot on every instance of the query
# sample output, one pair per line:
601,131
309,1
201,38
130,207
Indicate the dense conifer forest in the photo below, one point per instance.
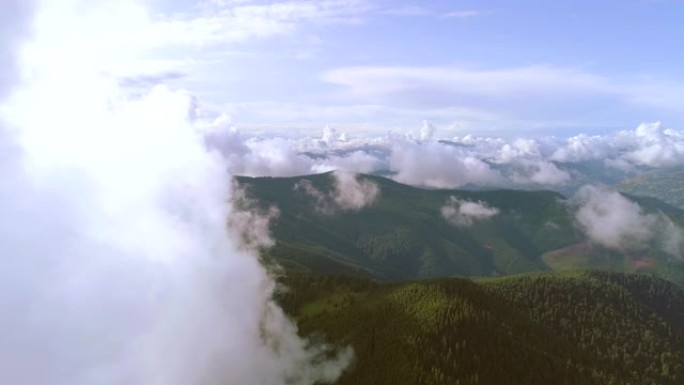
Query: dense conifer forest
572,328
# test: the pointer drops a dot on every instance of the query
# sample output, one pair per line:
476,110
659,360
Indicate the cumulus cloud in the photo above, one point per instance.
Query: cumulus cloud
656,146
583,147
329,134
540,172
257,157
427,131
420,159
464,213
611,220
650,144
118,265
436,165
349,193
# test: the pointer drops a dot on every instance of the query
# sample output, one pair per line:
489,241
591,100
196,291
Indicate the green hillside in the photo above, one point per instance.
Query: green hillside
664,184
576,328
403,236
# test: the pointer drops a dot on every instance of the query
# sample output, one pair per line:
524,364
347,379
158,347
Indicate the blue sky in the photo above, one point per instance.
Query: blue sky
508,68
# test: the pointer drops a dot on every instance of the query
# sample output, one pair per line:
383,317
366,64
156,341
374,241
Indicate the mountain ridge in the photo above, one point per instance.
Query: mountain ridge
402,235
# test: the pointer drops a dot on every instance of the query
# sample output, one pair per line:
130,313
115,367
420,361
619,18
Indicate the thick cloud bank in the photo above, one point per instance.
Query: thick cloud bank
463,213
249,224
117,265
611,220
419,158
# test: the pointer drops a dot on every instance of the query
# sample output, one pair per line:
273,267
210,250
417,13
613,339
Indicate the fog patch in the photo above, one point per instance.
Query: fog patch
250,224
464,213
610,219
350,192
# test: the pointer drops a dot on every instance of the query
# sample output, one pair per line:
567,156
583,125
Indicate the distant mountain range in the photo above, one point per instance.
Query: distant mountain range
403,234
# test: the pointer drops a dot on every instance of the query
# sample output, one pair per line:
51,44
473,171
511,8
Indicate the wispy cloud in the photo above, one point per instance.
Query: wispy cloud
499,83
407,10
463,14
231,22
463,213
534,92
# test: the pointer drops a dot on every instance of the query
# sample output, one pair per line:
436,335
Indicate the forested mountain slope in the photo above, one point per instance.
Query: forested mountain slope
403,234
572,328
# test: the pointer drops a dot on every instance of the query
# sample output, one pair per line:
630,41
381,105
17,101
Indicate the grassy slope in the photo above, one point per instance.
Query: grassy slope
578,328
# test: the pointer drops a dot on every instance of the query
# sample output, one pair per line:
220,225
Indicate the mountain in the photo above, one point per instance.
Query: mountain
403,235
665,184
572,328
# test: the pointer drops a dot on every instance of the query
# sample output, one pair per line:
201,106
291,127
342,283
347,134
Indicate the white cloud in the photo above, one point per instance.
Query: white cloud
583,147
540,172
650,144
464,213
349,193
463,14
525,94
117,264
417,158
455,81
407,10
656,146
250,225
14,26
436,165
230,22
427,131
353,193
611,220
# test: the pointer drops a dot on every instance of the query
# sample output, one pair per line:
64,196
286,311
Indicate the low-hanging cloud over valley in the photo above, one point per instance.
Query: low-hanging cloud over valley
610,219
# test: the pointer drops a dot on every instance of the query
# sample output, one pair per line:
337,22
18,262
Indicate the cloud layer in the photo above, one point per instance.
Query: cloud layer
426,158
